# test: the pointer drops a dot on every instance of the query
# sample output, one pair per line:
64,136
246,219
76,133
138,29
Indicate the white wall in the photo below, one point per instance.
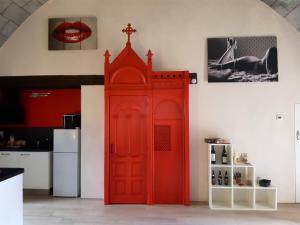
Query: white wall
92,141
176,31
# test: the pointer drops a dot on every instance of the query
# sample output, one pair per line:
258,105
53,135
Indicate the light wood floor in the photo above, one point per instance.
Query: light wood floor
72,211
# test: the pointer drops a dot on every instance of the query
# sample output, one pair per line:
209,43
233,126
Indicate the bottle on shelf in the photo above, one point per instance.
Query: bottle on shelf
213,155
226,178
224,156
213,178
220,178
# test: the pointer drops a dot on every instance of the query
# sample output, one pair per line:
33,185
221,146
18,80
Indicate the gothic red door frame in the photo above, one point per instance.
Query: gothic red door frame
128,75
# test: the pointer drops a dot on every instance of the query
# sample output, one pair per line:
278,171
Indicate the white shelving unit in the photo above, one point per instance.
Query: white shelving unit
249,196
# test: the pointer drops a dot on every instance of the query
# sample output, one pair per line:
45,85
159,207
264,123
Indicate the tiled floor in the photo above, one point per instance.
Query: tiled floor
70,211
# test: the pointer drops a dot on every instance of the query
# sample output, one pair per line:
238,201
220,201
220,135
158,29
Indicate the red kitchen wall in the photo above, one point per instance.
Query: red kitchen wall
48,111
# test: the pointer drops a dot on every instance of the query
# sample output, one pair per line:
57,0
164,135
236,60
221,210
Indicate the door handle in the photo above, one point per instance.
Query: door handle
111,148
297,135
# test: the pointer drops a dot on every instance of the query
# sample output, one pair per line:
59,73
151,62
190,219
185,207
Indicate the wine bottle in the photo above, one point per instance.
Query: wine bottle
220,178
224,156
226,180
213,155
213,178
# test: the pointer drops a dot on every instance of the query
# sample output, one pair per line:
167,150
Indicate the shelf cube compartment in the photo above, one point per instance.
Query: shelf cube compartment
247,176
243,198
219,149
221,198
223,170
265,199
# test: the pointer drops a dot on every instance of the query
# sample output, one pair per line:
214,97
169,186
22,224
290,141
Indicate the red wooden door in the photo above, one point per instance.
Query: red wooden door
168,162
168,147
128,149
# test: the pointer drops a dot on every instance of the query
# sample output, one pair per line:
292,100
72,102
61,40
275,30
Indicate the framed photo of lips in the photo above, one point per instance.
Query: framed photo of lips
78,33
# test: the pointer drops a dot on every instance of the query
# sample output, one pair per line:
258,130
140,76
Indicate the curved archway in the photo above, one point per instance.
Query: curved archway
289,10
128,75
168,109
14,12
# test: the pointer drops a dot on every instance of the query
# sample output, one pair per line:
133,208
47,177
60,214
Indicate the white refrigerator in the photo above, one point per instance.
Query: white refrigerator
66,162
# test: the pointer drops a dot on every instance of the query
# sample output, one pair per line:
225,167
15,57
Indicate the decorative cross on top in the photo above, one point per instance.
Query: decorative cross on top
129,30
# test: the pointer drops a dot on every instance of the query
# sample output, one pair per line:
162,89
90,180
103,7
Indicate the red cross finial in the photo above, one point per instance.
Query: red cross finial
129,30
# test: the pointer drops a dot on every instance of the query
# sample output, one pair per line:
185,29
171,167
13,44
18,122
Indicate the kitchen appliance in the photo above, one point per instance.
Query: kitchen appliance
66,162
72,121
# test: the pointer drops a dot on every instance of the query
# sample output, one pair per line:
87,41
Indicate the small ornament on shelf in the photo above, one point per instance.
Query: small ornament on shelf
248,181
237,178
264,182
240,158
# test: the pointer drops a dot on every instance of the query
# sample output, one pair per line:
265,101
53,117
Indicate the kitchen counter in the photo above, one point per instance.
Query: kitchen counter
6,173
26,149
11,195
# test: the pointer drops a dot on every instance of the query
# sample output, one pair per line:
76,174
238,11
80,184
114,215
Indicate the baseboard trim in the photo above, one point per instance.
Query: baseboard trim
38,191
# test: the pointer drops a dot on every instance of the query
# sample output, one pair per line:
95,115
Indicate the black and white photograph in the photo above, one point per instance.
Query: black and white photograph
242,59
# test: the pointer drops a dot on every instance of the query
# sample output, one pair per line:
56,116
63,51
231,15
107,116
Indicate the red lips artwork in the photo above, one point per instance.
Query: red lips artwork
72,33
75,32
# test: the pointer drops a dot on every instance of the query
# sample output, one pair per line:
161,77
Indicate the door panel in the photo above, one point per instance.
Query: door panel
168,162
65,174
169,157
36,169
128,149
9,159
120,130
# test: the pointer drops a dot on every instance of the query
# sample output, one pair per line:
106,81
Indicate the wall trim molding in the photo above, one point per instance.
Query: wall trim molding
50,81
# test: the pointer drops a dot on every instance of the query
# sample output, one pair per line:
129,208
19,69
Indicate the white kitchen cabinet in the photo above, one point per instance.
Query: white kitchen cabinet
9,159
37,167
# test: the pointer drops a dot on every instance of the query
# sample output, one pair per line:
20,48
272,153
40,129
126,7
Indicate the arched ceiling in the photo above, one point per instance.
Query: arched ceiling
14,12
289,9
